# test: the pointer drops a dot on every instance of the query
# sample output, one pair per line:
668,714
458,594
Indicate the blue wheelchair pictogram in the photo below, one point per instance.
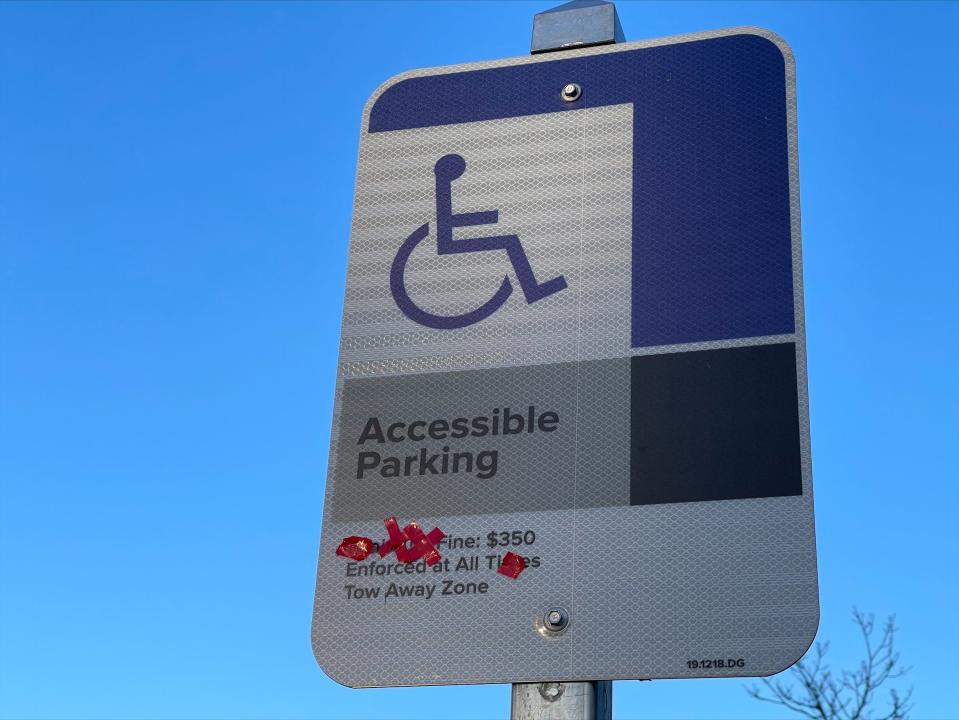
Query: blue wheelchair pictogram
446,170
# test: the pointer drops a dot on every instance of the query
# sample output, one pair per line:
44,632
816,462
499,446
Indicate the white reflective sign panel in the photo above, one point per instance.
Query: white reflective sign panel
572,374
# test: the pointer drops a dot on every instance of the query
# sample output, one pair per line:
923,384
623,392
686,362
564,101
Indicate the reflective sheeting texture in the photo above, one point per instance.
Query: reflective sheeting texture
573,339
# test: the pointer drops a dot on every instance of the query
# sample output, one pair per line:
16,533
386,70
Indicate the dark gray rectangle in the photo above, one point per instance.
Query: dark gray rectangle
715,425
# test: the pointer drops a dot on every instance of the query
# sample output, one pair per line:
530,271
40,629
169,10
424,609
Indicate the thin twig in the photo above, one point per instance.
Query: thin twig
817,694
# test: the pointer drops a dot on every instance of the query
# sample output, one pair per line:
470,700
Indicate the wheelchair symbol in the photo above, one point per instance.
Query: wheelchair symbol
446,170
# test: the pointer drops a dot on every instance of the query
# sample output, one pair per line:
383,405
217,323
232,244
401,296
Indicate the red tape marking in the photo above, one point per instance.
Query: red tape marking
411,544
355,547
396,538
511,566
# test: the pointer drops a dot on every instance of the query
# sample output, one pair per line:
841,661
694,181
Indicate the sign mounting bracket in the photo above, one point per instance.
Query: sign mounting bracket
576,24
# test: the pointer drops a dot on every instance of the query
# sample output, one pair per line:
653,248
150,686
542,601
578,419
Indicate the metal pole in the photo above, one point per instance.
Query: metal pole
580,23
562,701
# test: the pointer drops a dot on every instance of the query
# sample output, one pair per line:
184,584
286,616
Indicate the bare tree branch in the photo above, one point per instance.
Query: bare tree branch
816,693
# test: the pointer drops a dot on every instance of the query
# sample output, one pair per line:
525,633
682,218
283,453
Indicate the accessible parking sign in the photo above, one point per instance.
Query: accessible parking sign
571,430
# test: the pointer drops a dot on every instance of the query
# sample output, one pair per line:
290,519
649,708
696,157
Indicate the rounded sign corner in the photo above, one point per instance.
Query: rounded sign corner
369,107
322,662
773,38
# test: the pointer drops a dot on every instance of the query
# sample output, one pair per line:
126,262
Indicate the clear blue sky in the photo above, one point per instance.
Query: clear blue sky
175,196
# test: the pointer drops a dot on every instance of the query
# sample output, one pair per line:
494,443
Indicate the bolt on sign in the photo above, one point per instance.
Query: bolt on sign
571,430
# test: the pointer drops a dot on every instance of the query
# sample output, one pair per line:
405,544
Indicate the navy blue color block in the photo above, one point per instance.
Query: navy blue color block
712,249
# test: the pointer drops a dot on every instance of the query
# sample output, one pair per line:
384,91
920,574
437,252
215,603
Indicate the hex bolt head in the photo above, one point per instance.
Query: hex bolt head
556,619
571,92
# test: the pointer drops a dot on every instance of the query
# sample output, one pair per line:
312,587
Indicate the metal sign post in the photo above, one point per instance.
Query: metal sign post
571,433
562,701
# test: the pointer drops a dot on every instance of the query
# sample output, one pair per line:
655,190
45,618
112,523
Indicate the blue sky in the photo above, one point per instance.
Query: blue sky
175,194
